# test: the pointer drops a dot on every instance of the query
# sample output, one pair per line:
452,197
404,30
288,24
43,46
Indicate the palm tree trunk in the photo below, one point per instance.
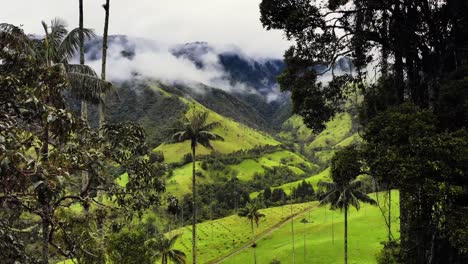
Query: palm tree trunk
194,216
104,57
292,230
346,235
253,241
333,229
389,214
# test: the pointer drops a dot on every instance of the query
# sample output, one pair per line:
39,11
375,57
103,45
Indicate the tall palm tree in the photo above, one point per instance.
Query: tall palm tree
164,249
250,211
60,46
197,130
342,195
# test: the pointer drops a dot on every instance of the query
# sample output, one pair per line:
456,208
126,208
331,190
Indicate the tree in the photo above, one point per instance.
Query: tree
197,130
250,211
423,62
345,191
130,247
40,179
163,248
267,194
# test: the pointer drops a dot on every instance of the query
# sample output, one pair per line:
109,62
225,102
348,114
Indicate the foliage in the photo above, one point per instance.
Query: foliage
45,147
390,254
130,247
423,59
140,102
164,249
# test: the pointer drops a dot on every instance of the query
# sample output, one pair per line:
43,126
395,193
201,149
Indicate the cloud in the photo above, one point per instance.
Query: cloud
156,61
220,22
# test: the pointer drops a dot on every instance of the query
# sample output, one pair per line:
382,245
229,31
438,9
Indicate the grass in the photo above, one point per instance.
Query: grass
366,230
181,182
335,132
236,137
219,237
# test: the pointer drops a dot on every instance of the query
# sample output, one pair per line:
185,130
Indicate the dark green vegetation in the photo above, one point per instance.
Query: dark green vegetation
413,117
52,161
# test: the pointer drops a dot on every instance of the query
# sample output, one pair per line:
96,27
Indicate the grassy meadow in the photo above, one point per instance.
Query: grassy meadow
323,237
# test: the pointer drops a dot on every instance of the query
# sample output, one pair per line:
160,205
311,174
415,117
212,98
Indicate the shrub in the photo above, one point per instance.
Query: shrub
390,254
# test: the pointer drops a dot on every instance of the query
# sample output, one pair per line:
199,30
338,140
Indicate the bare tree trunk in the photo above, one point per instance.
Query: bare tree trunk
346,235
84,106
106,7
194,216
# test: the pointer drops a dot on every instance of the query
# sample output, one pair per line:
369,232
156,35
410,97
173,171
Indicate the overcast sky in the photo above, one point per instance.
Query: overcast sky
220,22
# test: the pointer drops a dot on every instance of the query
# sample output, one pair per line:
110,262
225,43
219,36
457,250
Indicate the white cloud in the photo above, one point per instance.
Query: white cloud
219,22
157,62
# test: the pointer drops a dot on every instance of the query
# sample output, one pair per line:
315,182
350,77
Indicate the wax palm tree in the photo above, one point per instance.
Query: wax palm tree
250,211
164,249
197,130
342,195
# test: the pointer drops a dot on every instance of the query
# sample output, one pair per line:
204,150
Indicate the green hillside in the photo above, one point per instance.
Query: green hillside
236,137
319,148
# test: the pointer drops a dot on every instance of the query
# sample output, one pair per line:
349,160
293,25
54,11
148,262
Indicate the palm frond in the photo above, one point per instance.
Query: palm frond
71,43
356,184
210,126
354,201
173,239
78,68
86,87
361,196
210,136
177,256
180,136
205,142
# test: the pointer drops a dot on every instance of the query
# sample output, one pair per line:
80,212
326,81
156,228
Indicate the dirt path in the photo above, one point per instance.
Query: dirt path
262,235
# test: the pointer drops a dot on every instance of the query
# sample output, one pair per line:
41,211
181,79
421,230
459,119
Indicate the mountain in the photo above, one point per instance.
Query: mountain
264,143
241,87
